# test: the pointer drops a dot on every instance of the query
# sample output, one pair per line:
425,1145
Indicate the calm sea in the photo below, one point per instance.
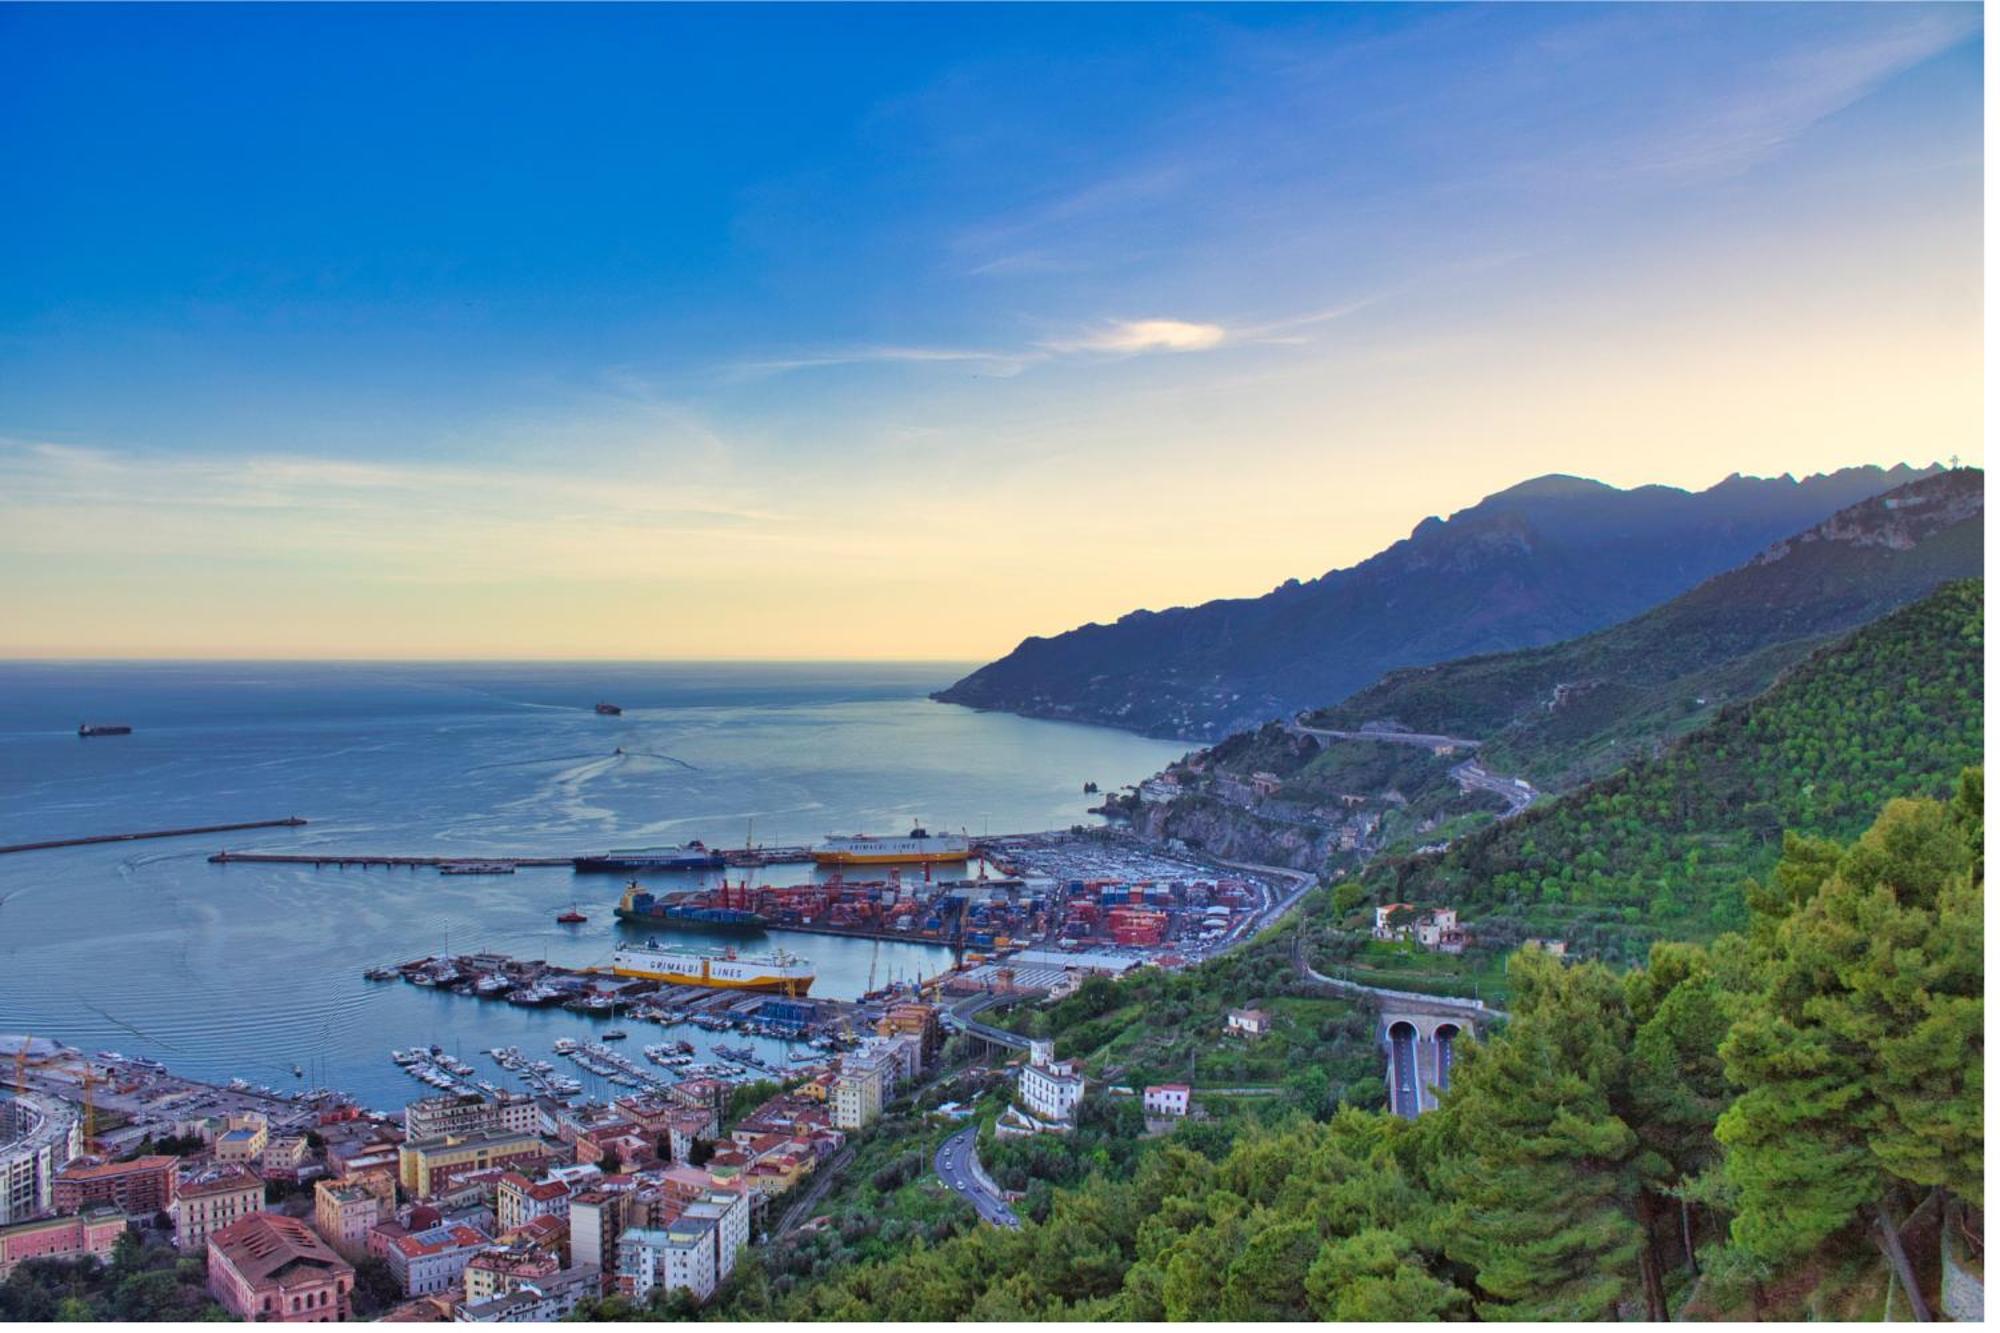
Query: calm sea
242,970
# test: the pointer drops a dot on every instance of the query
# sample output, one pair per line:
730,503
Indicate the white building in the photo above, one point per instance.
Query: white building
426,1262
1050,1089
466,1114
38,1137
542,1301
518,1200
1167,1099
867,1080
1384,930
680,1254
1249,1022
731,1211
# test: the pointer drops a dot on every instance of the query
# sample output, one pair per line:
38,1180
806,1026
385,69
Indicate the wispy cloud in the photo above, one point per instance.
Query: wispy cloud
1740,125
1105,339
1132,336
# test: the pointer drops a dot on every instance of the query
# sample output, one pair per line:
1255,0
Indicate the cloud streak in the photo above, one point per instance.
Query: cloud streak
1110,339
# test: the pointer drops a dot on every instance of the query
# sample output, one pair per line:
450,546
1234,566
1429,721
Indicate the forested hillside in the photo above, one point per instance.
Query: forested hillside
1783,1124
1577,709
1660,849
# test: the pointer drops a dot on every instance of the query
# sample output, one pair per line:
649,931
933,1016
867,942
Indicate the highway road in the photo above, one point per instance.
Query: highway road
955,1159
1392,737
1302,882
960,1016
1515,791
1448,1005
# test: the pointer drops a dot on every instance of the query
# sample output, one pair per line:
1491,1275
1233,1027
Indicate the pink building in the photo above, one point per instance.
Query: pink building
96,1231
1167,1099
275,1269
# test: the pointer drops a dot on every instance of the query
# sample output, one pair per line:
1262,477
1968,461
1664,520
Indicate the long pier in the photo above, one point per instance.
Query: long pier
358,859
292,822
762,856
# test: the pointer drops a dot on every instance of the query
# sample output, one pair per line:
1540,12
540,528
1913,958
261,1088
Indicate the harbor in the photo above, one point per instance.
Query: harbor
250,967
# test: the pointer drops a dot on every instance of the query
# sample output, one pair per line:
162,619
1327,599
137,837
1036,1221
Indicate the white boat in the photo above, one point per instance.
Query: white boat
726,970
866,849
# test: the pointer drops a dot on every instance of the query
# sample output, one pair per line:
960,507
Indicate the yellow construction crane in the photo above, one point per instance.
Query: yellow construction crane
86,1077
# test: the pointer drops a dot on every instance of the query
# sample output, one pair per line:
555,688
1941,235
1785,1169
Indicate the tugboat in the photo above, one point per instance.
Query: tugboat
609,710
572,917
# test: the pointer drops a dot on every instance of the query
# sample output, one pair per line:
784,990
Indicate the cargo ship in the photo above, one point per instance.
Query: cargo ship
693,856
104,729
864,849
727,970
698,912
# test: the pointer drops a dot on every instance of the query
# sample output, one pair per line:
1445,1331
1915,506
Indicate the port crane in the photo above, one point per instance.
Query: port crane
86,1076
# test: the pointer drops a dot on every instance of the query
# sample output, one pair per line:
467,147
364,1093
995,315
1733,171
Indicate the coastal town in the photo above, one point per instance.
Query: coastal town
516,1185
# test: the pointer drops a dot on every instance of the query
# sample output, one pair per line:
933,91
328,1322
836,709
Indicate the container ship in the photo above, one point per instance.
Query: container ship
864,849
693,856
727,970
704,911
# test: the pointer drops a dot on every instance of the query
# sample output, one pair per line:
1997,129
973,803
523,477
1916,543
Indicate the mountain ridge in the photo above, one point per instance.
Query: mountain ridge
1727,638
1545,560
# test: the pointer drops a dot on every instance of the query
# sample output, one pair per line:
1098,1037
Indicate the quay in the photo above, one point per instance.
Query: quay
292,822
743,856
597,992
358,859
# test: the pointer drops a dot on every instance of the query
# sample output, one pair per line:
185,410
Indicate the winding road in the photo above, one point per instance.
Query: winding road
1515,791
1393,737
957,1165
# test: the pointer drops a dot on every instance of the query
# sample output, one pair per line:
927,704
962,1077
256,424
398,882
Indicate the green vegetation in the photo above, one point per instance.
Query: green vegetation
1629,687
1660,849
1166,1027
1766,1126
141,1283
1405,965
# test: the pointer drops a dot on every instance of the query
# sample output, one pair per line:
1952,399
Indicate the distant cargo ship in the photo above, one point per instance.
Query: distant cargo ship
693,856
862,849
609,710
777,971
643,908
104,729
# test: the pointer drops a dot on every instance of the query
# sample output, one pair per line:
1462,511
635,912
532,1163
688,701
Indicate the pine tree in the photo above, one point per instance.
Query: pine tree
1861,1058
1541,1173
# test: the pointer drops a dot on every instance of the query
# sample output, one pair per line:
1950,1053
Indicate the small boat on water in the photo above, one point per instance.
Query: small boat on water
609,710
614,1034
104,729
572,917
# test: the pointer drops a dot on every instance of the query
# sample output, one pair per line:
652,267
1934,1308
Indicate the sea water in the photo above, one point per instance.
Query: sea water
247,970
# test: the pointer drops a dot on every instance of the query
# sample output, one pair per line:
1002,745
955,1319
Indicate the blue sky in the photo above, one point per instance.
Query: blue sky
691,331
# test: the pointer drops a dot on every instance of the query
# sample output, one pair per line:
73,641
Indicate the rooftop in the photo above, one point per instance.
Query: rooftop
85,1169
440,1239
267,1247
221,1179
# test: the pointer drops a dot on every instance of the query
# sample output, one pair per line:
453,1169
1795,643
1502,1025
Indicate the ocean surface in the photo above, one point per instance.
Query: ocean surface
245,970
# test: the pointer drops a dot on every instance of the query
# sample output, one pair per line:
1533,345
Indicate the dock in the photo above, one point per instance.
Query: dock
292,822
344,859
